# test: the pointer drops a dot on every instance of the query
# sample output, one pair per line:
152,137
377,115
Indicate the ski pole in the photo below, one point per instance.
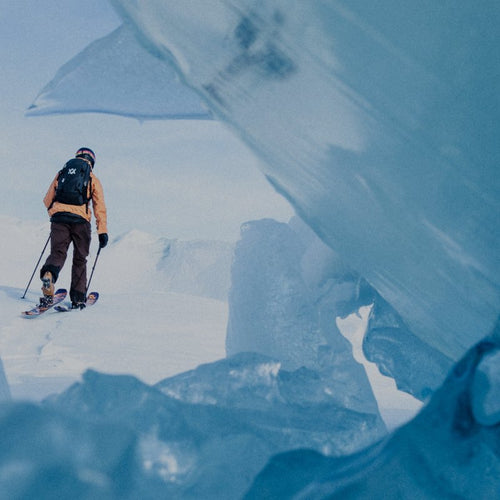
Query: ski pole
93,267
41,255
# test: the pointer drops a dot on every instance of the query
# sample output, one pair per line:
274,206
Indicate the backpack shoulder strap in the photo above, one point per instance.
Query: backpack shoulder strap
89,192
57,179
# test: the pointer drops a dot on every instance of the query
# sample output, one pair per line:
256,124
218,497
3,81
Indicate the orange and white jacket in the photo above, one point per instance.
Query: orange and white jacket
97,196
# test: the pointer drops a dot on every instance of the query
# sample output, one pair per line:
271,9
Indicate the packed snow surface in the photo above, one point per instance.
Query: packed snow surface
181,312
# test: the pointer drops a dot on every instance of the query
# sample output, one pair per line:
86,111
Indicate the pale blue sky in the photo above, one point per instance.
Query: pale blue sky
179,179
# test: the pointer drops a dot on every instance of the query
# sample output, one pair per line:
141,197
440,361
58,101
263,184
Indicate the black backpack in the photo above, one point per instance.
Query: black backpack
73,182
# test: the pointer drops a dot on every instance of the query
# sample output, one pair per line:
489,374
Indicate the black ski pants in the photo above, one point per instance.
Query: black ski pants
61,236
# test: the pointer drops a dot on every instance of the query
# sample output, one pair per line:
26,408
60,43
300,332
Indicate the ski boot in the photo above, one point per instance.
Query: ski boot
46,301
78,299
47,287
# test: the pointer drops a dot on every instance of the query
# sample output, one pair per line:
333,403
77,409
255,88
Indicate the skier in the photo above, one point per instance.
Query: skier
67,201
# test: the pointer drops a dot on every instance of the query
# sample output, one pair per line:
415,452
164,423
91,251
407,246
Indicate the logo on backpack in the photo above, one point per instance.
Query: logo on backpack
73,183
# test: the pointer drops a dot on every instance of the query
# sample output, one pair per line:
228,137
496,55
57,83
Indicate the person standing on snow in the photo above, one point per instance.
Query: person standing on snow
67,202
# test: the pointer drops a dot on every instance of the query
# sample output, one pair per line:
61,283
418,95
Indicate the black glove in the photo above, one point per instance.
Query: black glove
103,240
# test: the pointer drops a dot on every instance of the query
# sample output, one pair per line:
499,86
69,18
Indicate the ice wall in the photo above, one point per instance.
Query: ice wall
378,122
283,303
270,309
288,288
399,353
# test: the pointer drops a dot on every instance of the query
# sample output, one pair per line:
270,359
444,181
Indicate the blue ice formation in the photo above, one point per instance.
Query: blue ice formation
400,354
112,75
446,451
202,434
287,290
244,425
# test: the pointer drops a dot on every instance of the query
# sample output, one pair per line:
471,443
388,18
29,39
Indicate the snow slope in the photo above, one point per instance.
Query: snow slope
136,328
145,262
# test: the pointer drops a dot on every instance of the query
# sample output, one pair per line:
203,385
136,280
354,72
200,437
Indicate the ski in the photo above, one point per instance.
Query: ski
91,300
59,296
